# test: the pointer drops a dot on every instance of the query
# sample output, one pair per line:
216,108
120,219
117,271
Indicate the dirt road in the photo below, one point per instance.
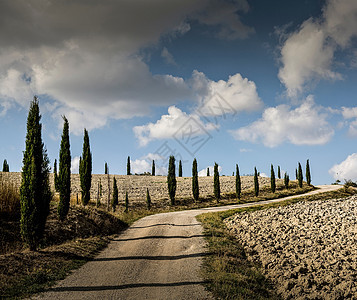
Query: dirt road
158,257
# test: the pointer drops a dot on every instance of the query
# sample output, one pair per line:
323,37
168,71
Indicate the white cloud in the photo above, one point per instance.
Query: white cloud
169,125
351,113
167,56
304,125
75,165
244,150
307,54
263,175
144,164
85,55
203,172
346,170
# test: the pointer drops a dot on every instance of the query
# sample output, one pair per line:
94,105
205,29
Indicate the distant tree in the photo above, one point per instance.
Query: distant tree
106,168
148,199
279,174
99,193
35,193
286,180
238,183
55,176
171,179
195,187
85,169
216,185
208,171
5,166
308,174
128,166
256,182
300,176
296,174
153,168
126,202
180,169
272,179
115,194
64,178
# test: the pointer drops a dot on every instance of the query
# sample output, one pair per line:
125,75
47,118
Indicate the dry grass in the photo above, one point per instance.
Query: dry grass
9,198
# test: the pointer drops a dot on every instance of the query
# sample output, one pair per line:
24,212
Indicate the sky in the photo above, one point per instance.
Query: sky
244,82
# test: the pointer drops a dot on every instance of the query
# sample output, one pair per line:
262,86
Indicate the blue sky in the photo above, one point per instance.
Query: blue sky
239,81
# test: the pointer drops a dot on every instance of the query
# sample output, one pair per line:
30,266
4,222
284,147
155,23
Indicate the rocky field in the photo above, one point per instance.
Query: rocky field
308,250
136,185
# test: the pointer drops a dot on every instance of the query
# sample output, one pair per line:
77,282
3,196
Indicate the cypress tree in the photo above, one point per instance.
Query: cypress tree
35,193
55,176
272,179
85,169
115,194
153,168
128,167
286,180
195,187
216,186
126,202
64,179
256,182
279,174
300,177
105,168
5,166
238,183
208,171
171,179
296,174
148,199
180,169
308,174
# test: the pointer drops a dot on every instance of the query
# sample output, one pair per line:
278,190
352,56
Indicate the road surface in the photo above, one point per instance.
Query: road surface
158,257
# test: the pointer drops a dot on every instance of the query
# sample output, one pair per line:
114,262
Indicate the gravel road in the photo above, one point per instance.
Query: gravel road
158,257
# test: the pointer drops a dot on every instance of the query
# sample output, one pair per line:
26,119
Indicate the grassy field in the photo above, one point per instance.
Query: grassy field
228,272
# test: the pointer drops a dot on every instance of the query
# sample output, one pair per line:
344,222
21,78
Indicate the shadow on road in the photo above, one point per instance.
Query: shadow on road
175,257
164,224
160,237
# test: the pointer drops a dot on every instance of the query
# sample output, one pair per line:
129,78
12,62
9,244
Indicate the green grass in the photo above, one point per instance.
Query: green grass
227,271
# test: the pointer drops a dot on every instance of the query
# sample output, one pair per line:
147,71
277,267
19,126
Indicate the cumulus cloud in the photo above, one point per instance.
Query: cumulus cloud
169,125
351,113
307,55
167,56
304,125
75,165
203,172
85,55
346,170
144,164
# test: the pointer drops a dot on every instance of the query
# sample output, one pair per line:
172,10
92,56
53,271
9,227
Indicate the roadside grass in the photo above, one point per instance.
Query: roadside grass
227,271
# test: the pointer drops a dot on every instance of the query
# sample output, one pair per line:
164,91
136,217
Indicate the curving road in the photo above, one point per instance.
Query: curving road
158,257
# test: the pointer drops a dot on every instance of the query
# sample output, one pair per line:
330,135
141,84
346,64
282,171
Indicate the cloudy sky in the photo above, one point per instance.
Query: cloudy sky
233,81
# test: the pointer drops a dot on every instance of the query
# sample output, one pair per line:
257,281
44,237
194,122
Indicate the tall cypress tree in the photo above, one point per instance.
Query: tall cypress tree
115,198
85,169
300,176
5,166
279,174
286,180
208,171
238,183
272,179
64,179
148,199
180,169
256,182
308,174
55,176
126,202
195,187
171,179
35,193
105,168
128,167
216,185
296,174
153,168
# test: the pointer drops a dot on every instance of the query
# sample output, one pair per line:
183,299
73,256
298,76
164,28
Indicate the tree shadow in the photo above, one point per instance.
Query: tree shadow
165,224
160,237
162,257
